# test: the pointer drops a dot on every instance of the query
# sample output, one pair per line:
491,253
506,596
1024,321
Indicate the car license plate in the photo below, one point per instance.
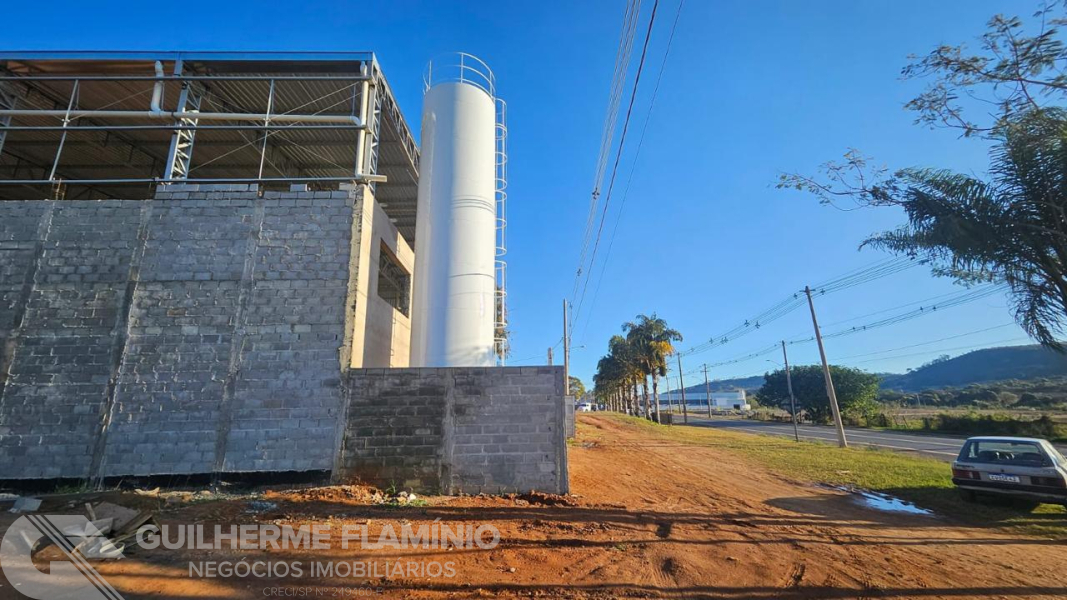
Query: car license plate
1004,478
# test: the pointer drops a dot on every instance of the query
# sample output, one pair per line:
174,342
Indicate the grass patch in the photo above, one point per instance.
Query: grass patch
925,481
969,423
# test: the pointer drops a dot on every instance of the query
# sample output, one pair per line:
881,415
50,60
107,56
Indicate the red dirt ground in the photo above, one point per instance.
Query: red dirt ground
646,520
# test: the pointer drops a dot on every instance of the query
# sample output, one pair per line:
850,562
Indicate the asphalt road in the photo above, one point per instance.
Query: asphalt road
942,447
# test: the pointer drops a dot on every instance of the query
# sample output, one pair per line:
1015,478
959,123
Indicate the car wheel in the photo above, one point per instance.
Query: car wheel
968,496
1027,505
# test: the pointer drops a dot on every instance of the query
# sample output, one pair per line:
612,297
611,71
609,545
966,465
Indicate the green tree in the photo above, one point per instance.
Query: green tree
618,374
577,388
652,341
1018,67
631,360
1010,227
856,391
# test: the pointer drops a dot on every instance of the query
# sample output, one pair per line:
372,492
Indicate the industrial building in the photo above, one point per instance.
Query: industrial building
244,262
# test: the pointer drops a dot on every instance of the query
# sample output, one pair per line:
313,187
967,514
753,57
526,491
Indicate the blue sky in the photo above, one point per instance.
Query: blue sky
751,89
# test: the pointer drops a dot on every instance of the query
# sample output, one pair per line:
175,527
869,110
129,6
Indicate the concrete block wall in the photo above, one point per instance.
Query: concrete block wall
209,329
470,430
570,407
68,265
199,331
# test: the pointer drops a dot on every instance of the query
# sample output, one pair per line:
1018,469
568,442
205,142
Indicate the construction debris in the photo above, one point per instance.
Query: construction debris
108,531
25,504
259,506
120,514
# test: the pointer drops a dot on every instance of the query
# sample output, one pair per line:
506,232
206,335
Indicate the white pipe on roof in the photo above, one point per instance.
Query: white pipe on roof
157,90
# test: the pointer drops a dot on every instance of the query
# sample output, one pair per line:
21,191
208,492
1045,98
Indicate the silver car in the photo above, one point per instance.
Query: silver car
1030,470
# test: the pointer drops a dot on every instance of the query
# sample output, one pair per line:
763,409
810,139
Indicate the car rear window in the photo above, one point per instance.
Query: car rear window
1004,453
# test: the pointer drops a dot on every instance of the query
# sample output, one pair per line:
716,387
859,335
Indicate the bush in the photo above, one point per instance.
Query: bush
975,424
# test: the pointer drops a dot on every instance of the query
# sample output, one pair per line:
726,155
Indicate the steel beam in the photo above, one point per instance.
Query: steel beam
361,179
180,155
8,100
63,138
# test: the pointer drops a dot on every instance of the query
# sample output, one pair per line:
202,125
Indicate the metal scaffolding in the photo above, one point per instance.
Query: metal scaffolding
117,124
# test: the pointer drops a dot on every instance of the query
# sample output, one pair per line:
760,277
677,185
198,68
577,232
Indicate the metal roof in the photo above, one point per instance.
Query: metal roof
127,151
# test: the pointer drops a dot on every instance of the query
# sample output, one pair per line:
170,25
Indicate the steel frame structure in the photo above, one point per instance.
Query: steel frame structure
111,138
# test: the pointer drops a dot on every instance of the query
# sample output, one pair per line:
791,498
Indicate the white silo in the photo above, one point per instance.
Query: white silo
454,299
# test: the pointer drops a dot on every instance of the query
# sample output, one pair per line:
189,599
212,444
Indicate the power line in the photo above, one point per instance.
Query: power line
952,337
877,271
618,157
992,344
853,278
749,325
918,312
618,80
960,299
622,62
633,165
931,299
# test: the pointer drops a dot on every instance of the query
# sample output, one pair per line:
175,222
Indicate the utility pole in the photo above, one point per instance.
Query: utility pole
681,381
566,354
707,389
841,441
792,399
550,357
670,399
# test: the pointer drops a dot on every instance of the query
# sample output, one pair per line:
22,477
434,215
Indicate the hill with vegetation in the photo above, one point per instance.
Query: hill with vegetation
981,366
1031,363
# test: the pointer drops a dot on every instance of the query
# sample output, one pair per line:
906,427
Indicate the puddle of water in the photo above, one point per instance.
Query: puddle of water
883,502
890,504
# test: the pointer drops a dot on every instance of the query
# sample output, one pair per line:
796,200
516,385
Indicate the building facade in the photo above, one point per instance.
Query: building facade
206,257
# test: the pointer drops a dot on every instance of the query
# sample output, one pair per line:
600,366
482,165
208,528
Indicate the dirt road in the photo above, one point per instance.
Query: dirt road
651,517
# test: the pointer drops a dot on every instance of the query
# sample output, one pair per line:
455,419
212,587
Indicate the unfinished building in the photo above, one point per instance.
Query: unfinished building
207,266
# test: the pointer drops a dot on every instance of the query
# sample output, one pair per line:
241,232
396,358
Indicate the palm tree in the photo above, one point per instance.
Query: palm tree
606,381
636,336
629,368
616,374
653,341
1007,227
631,360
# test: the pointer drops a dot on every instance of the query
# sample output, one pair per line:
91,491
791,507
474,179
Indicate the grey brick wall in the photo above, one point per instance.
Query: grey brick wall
452,430
569,408
63,345
206,330
199,331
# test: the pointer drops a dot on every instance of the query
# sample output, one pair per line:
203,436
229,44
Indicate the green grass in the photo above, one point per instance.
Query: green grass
923,481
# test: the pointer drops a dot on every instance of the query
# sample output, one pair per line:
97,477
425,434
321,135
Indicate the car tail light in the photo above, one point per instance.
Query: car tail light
1049,481
964,474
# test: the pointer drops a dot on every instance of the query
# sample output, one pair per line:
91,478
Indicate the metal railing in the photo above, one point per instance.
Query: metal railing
501,194
122,121
460,67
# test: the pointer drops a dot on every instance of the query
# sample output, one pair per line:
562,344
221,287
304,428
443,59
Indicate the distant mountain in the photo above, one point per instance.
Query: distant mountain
749,384
979,366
